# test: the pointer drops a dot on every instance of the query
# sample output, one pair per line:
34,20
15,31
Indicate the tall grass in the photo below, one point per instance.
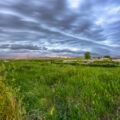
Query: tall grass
10,105
66,92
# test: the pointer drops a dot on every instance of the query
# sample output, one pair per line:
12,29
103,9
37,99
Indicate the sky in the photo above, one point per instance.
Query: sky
59,27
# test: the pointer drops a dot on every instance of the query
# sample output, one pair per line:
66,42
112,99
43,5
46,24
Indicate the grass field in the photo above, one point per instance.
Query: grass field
51,91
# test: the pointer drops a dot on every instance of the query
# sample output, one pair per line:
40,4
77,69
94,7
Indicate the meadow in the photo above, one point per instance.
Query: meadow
51,90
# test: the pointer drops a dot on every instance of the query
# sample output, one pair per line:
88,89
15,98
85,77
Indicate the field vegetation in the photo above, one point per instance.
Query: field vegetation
52,90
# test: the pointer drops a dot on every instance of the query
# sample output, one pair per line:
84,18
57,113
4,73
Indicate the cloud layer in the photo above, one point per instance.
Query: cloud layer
59,27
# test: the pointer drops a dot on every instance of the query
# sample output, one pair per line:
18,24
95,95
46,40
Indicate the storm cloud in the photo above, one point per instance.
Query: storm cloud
59,27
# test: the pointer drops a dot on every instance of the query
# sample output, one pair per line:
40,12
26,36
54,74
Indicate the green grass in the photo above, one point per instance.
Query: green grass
65,92
10,102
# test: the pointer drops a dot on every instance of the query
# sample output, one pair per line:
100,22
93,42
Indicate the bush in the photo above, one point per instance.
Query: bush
107,56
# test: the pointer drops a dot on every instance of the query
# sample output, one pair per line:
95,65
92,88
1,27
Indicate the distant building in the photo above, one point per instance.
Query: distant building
116,59
100,58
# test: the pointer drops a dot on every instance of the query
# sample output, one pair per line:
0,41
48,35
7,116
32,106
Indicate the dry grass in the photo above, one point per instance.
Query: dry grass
10,107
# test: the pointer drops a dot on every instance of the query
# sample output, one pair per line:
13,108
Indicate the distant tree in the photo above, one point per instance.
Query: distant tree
107,56
87,55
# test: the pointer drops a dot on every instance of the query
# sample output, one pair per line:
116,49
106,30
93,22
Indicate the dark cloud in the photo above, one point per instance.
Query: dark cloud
21,47
4,46
60,27
28,47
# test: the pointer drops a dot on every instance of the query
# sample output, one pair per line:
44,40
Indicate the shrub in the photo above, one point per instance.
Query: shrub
107,56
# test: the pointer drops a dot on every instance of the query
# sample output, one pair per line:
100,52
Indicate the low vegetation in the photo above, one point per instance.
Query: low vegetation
10,103
52,90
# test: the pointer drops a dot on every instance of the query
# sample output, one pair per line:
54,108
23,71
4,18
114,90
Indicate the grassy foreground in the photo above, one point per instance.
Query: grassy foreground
65,92
10,103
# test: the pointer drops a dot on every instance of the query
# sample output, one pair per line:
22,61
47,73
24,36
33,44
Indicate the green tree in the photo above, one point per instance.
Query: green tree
87,55
107,56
